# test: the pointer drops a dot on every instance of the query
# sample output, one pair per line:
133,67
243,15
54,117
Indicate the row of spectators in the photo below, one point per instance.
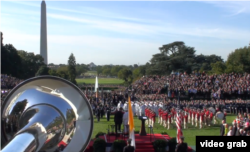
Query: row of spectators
9,82
224,86
239,127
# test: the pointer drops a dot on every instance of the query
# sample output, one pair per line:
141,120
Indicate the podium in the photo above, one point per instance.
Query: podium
143,130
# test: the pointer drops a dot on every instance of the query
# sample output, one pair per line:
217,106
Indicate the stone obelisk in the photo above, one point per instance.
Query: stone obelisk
43,34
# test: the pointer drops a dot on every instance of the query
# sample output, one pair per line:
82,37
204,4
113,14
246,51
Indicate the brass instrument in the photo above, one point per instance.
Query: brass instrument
44,112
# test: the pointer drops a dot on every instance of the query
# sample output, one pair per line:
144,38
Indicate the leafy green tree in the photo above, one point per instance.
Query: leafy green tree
30,63
136,66
173,56
106,70
126,74
239,61
72,68
203,62
81,68
115,70
11,62
52,72
98,69
218,67
136,73
63,72
43,70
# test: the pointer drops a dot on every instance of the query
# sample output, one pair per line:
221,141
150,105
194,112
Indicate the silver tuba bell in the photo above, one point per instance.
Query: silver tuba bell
46,114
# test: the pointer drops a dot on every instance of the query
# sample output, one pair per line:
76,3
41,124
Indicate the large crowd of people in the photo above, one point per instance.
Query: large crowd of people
155,97
8,83
224,86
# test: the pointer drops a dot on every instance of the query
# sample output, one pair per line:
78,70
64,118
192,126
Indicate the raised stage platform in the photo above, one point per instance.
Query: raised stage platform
143,143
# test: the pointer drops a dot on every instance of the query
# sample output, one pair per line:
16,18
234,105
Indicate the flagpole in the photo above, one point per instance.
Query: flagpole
178,120
131,123
96,88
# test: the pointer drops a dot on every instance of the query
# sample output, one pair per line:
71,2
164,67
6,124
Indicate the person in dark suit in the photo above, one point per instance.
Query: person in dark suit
234,129
222,128
118,120
238,130
129,148
98,113
102,111
181,147
108,111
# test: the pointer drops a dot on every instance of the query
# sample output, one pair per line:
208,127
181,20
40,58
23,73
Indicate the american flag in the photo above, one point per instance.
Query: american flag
178,122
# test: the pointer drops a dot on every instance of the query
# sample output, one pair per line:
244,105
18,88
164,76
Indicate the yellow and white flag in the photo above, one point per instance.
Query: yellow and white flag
131,123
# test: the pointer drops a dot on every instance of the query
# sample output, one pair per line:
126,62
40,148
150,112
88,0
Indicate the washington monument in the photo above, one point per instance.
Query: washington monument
43,34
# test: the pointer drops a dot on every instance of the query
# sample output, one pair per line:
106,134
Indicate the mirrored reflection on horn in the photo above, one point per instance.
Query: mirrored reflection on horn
46,114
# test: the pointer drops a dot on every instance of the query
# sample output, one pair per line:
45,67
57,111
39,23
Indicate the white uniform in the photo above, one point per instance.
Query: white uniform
125,106
137,108
119,105
125,120
134,109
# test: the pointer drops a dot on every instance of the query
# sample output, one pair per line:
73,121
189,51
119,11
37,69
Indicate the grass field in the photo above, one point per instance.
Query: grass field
100,81
189,134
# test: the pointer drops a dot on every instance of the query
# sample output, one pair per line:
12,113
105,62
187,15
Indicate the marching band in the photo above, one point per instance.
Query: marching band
193,113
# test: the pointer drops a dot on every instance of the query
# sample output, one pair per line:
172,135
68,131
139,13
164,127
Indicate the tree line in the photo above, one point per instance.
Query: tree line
172,57
179,58
24,65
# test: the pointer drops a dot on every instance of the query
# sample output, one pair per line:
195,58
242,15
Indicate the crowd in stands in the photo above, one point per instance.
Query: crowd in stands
8,83
224,86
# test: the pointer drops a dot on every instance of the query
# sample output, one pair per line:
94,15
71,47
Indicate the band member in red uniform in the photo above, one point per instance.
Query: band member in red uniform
146,114
211,118
197,118
172,114
153,115
169,120
165,118
190,116
207,117
185,120
217,109
193,116
150,117
159,116
202,119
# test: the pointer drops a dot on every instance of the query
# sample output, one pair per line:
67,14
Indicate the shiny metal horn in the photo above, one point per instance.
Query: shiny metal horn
219,116
45,114
211,109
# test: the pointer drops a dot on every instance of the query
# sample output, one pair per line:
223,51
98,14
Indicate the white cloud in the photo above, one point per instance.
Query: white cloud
108,49
147,30
90,11
27,2
232,7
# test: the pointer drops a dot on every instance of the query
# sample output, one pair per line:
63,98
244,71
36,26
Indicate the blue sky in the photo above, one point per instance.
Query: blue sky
125,33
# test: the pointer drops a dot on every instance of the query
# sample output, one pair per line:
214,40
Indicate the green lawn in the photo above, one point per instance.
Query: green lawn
189,134
100,81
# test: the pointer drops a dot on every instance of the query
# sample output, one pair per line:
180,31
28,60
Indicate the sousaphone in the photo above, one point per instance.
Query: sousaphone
220,115
211,109
46,113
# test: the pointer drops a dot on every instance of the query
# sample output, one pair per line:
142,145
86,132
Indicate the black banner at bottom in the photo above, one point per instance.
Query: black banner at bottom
225,143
